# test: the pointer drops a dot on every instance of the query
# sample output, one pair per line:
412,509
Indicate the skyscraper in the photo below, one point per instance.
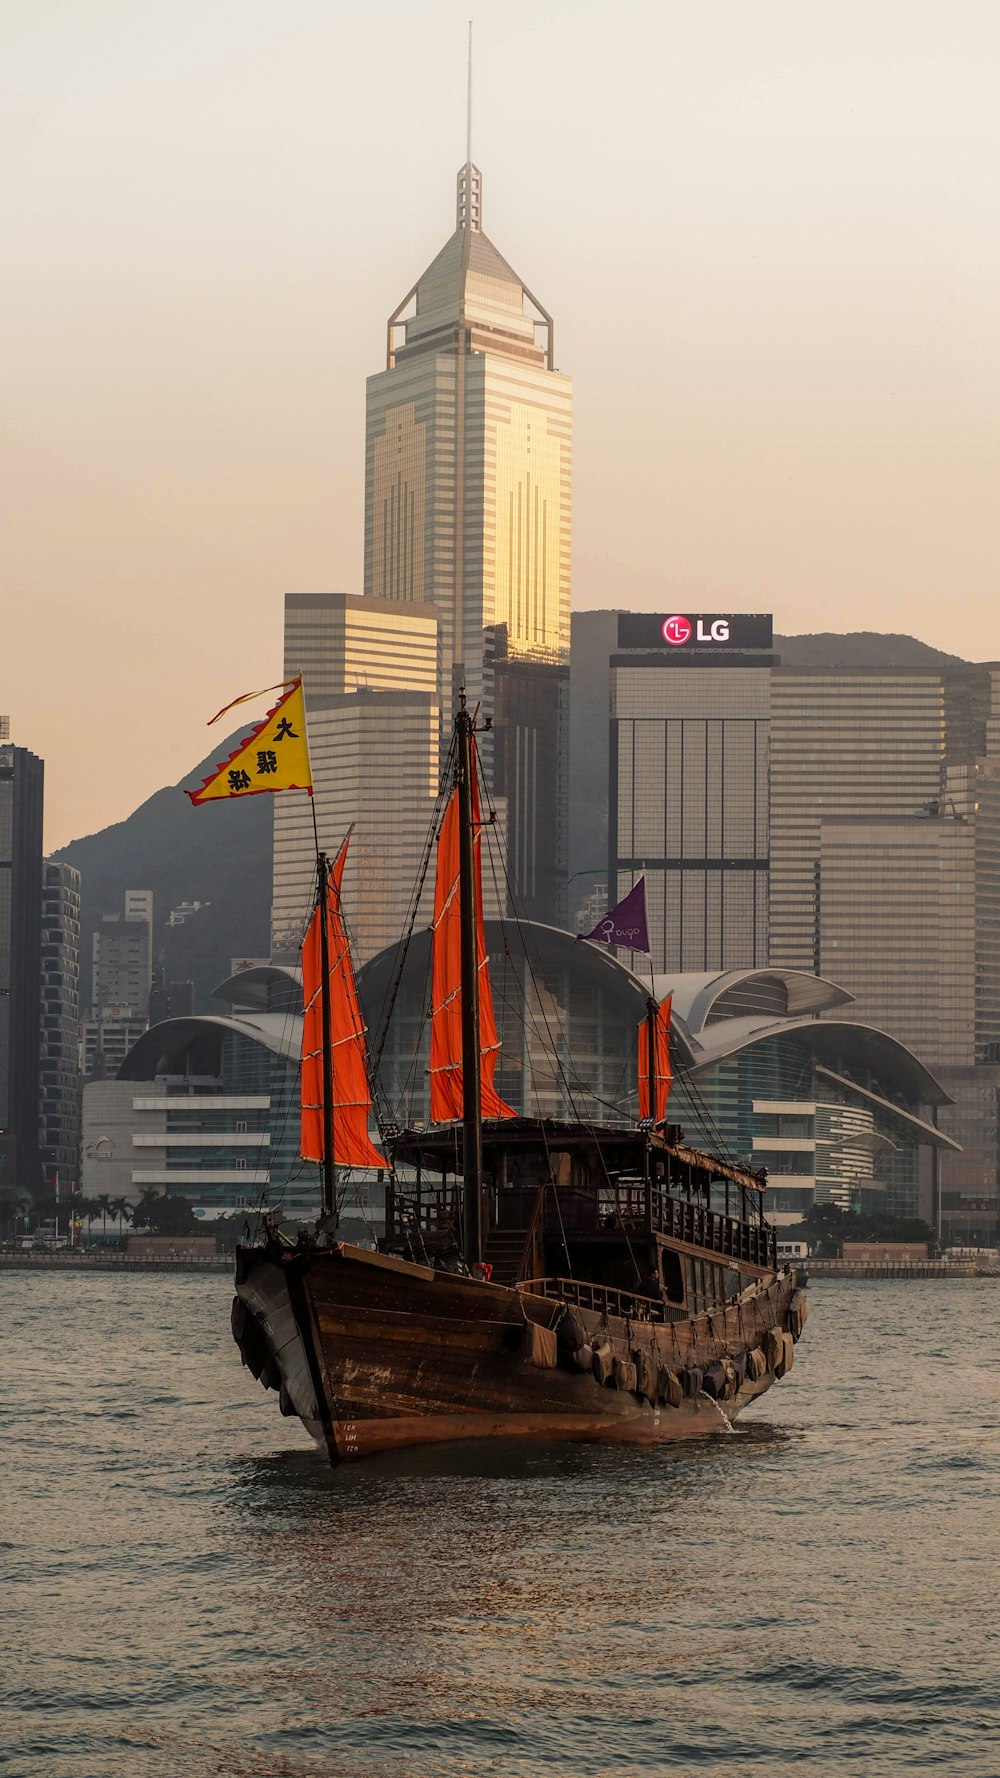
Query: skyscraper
468,508
122,957
22,781
885,871
369,670
850,744
690,709
61,1085
120,980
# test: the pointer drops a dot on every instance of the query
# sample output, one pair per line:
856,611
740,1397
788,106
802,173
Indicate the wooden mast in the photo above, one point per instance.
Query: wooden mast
472,1105
329,1168
651,1012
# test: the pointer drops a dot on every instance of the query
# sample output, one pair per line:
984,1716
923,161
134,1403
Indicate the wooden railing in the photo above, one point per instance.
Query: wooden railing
531,1231
600,1297
631,1204
425,1210
642,1205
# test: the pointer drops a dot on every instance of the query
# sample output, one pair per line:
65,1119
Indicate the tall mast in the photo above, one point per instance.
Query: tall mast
651,1011
472,1105
329,1169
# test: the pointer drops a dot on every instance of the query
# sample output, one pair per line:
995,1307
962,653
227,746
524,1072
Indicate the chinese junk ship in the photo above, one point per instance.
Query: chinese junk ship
537,1278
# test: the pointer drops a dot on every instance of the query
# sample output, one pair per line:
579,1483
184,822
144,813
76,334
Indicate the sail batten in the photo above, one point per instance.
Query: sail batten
348,1075
446,980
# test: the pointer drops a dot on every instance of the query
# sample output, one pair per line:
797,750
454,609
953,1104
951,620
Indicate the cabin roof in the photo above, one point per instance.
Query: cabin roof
440,1146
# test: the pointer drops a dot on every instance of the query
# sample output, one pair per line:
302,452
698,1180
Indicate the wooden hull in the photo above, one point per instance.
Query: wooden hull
375,1354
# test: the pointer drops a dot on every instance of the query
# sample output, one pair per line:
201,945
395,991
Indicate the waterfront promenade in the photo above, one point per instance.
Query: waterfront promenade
901,1268
115,1262
223,1262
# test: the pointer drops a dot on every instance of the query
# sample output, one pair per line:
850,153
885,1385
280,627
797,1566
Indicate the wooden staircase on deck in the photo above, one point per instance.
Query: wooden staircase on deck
505,1252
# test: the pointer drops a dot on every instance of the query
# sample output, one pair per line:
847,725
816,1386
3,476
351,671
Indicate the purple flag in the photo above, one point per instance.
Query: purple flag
625,924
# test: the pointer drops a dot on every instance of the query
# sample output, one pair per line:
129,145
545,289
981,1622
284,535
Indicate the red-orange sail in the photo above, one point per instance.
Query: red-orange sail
348,1084
661,1062
446,981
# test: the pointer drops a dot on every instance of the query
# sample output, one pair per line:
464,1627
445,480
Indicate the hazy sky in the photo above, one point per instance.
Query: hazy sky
767,230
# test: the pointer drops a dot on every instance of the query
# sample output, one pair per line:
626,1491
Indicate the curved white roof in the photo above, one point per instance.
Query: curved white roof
162,1044
252,987
701,1040
695,996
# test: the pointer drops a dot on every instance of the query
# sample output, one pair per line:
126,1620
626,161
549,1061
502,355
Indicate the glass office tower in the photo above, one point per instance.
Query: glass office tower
468,508
22,781
689,785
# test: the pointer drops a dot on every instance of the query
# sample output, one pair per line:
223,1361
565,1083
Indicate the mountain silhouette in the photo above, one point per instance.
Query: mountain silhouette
219,854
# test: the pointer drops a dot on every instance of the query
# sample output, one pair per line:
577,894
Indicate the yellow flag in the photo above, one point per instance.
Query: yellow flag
274,757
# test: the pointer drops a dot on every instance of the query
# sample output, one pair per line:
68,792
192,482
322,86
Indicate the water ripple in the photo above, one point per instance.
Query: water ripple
190,1591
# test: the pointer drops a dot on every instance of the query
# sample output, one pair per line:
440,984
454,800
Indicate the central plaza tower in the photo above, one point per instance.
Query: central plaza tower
468,508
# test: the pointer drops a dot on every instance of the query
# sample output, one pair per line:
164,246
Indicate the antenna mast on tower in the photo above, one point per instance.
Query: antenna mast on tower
468,108
470,184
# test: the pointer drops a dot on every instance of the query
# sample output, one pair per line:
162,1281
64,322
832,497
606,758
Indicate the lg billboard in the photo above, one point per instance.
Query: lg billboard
683,630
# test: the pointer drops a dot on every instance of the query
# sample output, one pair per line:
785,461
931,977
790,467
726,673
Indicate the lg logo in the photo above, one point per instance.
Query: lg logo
678,630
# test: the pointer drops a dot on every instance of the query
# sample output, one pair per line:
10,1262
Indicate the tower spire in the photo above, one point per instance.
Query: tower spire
468,107
469,213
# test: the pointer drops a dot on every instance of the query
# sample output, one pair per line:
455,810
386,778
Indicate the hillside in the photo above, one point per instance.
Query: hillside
861,650
219,854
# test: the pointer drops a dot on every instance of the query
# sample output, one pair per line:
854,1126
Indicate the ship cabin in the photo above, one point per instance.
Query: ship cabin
627,1221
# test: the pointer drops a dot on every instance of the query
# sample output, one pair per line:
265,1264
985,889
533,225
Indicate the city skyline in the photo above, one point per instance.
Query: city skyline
770,260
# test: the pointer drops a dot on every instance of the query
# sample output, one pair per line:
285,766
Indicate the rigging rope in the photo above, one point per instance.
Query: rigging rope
295,1169
526,932
403,946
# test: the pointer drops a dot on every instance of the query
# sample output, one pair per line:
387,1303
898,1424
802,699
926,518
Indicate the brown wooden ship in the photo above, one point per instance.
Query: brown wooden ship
537,1278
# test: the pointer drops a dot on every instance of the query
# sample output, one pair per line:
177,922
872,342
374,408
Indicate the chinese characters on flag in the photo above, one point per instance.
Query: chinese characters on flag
274,756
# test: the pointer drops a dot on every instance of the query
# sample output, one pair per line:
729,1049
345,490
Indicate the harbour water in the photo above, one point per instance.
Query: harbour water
189,1591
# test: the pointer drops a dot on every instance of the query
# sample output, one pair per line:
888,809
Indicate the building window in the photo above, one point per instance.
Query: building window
241,1126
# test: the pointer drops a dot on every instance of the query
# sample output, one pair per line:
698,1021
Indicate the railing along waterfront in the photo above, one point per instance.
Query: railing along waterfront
53,1261
896,1268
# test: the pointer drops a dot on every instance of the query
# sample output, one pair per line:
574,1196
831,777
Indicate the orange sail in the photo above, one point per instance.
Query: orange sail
661,1062
446,981
348,1084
